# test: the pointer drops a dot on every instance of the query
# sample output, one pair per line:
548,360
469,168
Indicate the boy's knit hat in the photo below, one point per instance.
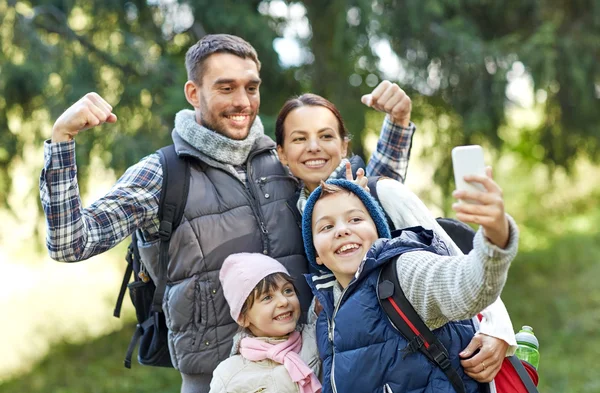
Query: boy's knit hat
239,275
376,212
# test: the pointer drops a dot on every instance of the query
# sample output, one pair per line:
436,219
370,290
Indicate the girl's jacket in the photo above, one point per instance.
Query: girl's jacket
239,375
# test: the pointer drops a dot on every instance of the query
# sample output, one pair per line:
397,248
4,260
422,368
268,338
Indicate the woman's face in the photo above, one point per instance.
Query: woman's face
312,146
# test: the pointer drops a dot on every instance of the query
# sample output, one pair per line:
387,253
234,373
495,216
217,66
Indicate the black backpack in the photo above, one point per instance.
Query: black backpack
459,232
147,295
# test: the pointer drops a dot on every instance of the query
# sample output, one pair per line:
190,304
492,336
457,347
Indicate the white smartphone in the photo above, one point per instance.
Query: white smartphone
468,160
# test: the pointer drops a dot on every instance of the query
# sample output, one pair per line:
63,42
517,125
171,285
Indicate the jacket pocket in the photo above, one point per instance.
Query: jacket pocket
199,319
276,184
201,299
261,181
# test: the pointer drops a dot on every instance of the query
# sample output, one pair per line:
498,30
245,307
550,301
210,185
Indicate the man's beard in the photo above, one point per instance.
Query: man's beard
210,123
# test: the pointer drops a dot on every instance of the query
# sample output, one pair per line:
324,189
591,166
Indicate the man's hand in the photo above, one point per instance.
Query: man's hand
390,98
489,213
485,365
361,179
91,110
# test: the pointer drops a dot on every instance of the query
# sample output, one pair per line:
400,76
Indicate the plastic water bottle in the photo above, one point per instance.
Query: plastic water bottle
527,346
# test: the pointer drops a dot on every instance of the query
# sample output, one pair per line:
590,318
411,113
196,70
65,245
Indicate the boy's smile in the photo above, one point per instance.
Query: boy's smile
343,232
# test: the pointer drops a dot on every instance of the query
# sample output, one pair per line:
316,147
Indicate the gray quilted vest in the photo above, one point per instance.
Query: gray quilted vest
224,216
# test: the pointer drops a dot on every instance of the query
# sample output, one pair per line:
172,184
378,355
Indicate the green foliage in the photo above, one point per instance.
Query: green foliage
94,367
554,290
460,55
131,53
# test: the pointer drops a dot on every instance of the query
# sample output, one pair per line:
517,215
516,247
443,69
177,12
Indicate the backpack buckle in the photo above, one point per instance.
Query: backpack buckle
164,230
440,357
413,346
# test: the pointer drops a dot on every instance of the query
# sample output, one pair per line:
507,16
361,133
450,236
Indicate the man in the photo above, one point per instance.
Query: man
227,210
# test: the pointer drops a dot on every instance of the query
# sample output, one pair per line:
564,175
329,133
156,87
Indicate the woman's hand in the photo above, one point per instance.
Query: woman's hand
388,97
489,210
485,365
361,179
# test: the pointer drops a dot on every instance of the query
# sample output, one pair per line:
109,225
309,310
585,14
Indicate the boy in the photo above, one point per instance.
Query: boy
346,238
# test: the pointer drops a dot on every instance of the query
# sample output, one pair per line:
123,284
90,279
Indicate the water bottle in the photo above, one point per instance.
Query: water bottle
527,346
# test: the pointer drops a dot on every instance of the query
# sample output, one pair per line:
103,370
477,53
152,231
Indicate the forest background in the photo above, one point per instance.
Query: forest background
520,77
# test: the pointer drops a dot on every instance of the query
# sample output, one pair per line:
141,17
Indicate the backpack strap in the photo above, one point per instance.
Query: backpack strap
173,197
372,184
523,375
406,320
132,252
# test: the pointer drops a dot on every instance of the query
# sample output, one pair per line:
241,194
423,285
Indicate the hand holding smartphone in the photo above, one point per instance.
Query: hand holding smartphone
488,208
468,160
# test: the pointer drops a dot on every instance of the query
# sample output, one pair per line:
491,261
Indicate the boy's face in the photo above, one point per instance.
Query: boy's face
343,232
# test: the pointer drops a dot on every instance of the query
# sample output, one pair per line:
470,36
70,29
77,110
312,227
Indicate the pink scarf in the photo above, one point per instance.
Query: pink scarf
285,353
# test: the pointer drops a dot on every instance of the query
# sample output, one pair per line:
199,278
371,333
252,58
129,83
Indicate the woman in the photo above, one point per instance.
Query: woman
313,142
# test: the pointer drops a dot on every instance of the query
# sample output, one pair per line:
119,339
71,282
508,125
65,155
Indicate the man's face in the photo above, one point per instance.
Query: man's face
343,232
229,95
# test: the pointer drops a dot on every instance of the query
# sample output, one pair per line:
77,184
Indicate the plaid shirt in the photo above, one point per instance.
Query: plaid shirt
393,151
75,233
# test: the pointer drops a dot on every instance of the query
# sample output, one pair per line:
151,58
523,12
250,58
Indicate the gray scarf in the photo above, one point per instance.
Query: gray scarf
216,146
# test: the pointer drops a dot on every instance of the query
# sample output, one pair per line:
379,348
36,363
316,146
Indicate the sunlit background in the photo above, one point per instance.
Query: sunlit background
521,78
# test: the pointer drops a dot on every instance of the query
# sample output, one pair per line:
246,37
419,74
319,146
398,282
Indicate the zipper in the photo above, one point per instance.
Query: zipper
332,336
254,203
264,179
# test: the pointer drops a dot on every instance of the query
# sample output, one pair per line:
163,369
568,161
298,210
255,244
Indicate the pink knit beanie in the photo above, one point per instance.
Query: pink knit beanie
239,275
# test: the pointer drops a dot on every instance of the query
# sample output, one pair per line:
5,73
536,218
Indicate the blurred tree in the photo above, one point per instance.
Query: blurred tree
461,54
341,50
132,53
457,58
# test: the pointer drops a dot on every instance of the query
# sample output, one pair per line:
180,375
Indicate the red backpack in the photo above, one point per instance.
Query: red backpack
511,377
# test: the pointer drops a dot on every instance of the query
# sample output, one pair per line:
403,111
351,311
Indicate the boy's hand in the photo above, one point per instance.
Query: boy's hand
489,213
390,98
361,179
485,364
91,110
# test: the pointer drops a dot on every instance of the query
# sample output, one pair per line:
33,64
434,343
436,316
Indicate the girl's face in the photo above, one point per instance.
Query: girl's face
274,313
312,146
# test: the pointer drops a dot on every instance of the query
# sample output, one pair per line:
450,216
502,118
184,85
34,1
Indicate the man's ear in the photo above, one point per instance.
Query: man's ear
192,93
319,261
282,156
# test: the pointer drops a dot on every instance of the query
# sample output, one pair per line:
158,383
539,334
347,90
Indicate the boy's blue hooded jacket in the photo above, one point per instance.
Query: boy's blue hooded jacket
360,349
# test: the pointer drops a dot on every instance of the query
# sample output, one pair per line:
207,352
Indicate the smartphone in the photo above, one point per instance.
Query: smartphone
468,160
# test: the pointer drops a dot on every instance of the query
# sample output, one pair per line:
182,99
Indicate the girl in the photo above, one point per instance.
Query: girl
312,141
273,352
